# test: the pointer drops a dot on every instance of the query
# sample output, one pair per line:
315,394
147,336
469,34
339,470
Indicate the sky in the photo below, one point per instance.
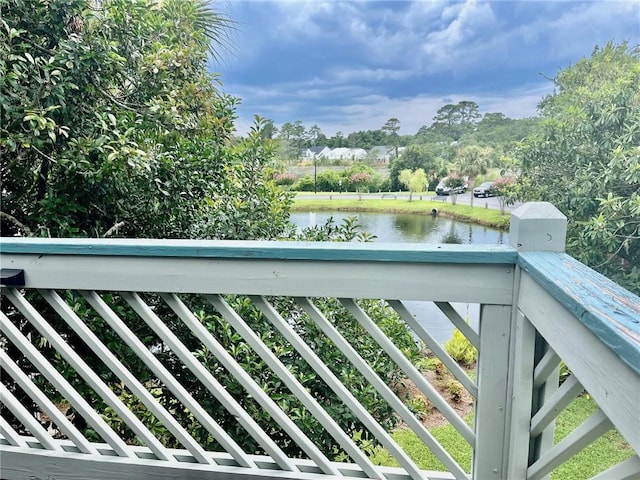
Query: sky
351,65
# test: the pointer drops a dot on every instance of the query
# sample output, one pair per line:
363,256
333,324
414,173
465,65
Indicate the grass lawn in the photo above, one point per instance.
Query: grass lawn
448,437
605,452
479,215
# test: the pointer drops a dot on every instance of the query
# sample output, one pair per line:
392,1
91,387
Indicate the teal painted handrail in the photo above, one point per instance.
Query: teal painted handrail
262,250
611,312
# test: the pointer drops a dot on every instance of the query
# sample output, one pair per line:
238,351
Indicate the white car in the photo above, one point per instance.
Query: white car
441,189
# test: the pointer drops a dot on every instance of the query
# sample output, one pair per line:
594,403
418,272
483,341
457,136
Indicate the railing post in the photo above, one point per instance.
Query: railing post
508,352
537,226
492,402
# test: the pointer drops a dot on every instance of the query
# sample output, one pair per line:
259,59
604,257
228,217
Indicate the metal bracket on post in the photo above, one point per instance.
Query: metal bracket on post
11,277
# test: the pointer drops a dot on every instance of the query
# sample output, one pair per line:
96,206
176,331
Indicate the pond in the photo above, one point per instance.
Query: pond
408,228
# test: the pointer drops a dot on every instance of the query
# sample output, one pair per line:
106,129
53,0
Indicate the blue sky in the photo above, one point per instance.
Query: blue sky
351,65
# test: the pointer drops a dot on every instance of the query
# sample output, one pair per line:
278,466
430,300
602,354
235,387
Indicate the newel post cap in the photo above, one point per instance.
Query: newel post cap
539,227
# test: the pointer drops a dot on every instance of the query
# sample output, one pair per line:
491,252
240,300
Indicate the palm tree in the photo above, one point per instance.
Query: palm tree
210,27
473,161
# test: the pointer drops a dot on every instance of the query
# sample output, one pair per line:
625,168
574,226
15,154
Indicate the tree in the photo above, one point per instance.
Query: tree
507,191
299,135
114,127
427,157
287,131
366,139
490,120
454,182
429,134
111,125
391,128
286,149
448,115
359,181
313,134
501,133
337,140
473,161
416,181
468,112
453,120
585,160
269,130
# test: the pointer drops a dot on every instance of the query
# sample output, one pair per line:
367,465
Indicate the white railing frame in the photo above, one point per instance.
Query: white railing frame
526,311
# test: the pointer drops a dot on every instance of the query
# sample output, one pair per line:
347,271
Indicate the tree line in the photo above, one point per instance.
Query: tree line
458,123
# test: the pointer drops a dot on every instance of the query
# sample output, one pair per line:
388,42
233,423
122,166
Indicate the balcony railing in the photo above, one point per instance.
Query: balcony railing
78,313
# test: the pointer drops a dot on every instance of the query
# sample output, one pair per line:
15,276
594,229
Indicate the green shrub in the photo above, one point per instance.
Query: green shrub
454,388
304,184
439,368
461,349
420,405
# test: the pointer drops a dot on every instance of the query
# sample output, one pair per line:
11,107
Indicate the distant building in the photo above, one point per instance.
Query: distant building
381,153
315,152
343,153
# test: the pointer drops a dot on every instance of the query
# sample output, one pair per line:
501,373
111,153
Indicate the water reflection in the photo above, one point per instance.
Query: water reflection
407,228
414,230
453,237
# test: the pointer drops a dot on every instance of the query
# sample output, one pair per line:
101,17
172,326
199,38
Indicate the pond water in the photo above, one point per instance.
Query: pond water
408,228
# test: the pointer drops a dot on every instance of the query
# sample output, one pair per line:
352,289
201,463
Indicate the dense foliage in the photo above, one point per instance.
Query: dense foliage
111,125
357,177
586,161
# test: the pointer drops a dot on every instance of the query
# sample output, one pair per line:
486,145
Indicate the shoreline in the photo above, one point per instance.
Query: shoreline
477,215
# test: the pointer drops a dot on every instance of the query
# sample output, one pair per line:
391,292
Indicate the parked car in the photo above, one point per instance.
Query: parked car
484,190
441,189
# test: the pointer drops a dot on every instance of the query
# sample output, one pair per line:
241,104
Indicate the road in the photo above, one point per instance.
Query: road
463,199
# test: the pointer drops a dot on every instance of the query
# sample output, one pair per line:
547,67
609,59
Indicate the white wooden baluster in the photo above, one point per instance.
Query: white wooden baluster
46,405
139,390
301,393
208,380
58,381
168,379
27,419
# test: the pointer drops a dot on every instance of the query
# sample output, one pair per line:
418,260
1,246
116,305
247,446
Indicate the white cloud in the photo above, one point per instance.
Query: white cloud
441,36
598,21
381,43
470,19
302,18
368,74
